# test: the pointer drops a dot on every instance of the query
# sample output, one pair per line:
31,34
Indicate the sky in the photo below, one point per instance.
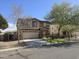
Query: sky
34,8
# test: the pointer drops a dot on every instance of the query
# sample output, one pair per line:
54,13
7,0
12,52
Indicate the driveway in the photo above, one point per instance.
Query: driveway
71,52
39,43
30,43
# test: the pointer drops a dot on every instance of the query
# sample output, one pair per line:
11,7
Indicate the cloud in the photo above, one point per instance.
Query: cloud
12,27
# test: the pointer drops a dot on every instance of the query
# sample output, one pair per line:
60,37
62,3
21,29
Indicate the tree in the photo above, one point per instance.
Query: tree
16,13
69,29
75,18
60,14
3,22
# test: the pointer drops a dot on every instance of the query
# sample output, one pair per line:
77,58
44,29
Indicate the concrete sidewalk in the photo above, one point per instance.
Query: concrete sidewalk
9,49
8,46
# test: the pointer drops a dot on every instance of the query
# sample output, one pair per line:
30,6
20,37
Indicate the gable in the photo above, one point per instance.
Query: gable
26,23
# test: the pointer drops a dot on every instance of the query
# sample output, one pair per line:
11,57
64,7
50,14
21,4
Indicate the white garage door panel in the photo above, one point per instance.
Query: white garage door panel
30,35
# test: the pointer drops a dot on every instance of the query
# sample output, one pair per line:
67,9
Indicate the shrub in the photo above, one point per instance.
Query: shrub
56,40
9,36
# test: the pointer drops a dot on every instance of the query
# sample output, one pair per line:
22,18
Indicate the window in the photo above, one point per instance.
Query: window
34,24
46,25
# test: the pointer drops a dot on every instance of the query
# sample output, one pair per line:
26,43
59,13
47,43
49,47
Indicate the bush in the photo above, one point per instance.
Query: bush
56,40
6,36
9,36
55,36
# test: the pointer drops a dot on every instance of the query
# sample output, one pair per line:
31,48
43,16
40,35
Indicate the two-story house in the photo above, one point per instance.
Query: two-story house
32,28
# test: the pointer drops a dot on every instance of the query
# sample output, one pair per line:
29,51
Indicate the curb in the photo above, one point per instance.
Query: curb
10,49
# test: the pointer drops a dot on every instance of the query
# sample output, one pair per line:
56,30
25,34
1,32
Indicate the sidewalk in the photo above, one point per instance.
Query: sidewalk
13,45
9,49
6,45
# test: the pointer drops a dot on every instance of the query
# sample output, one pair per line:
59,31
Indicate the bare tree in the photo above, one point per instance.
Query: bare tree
16,12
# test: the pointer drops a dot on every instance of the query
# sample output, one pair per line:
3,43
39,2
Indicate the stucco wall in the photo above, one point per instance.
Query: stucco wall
53,29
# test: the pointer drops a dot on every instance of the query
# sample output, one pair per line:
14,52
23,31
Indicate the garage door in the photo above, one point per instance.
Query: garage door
28,35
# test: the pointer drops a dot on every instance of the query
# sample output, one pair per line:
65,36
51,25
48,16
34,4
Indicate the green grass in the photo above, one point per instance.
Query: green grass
56,40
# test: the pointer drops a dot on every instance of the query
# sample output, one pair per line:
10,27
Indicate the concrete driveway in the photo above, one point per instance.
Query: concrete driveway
30,43
71,52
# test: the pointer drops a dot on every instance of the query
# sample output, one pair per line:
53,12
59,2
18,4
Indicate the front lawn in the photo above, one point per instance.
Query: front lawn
56,40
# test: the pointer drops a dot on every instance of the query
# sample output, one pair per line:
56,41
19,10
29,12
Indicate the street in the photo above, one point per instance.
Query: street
71,52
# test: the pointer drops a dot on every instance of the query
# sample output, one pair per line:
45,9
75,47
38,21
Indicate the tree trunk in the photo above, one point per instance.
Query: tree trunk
18,36
69,36
59,31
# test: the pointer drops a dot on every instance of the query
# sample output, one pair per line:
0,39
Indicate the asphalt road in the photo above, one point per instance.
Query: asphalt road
71,52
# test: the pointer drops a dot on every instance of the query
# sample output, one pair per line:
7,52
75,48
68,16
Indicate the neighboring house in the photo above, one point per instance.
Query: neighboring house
32,28
53,29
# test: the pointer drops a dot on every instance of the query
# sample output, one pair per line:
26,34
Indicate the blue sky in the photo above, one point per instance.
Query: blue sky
34,8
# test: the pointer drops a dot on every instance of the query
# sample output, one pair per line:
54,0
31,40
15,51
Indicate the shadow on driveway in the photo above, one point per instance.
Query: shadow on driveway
39,44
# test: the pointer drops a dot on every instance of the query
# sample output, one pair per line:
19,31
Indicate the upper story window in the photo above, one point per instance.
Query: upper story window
46,25
34,23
